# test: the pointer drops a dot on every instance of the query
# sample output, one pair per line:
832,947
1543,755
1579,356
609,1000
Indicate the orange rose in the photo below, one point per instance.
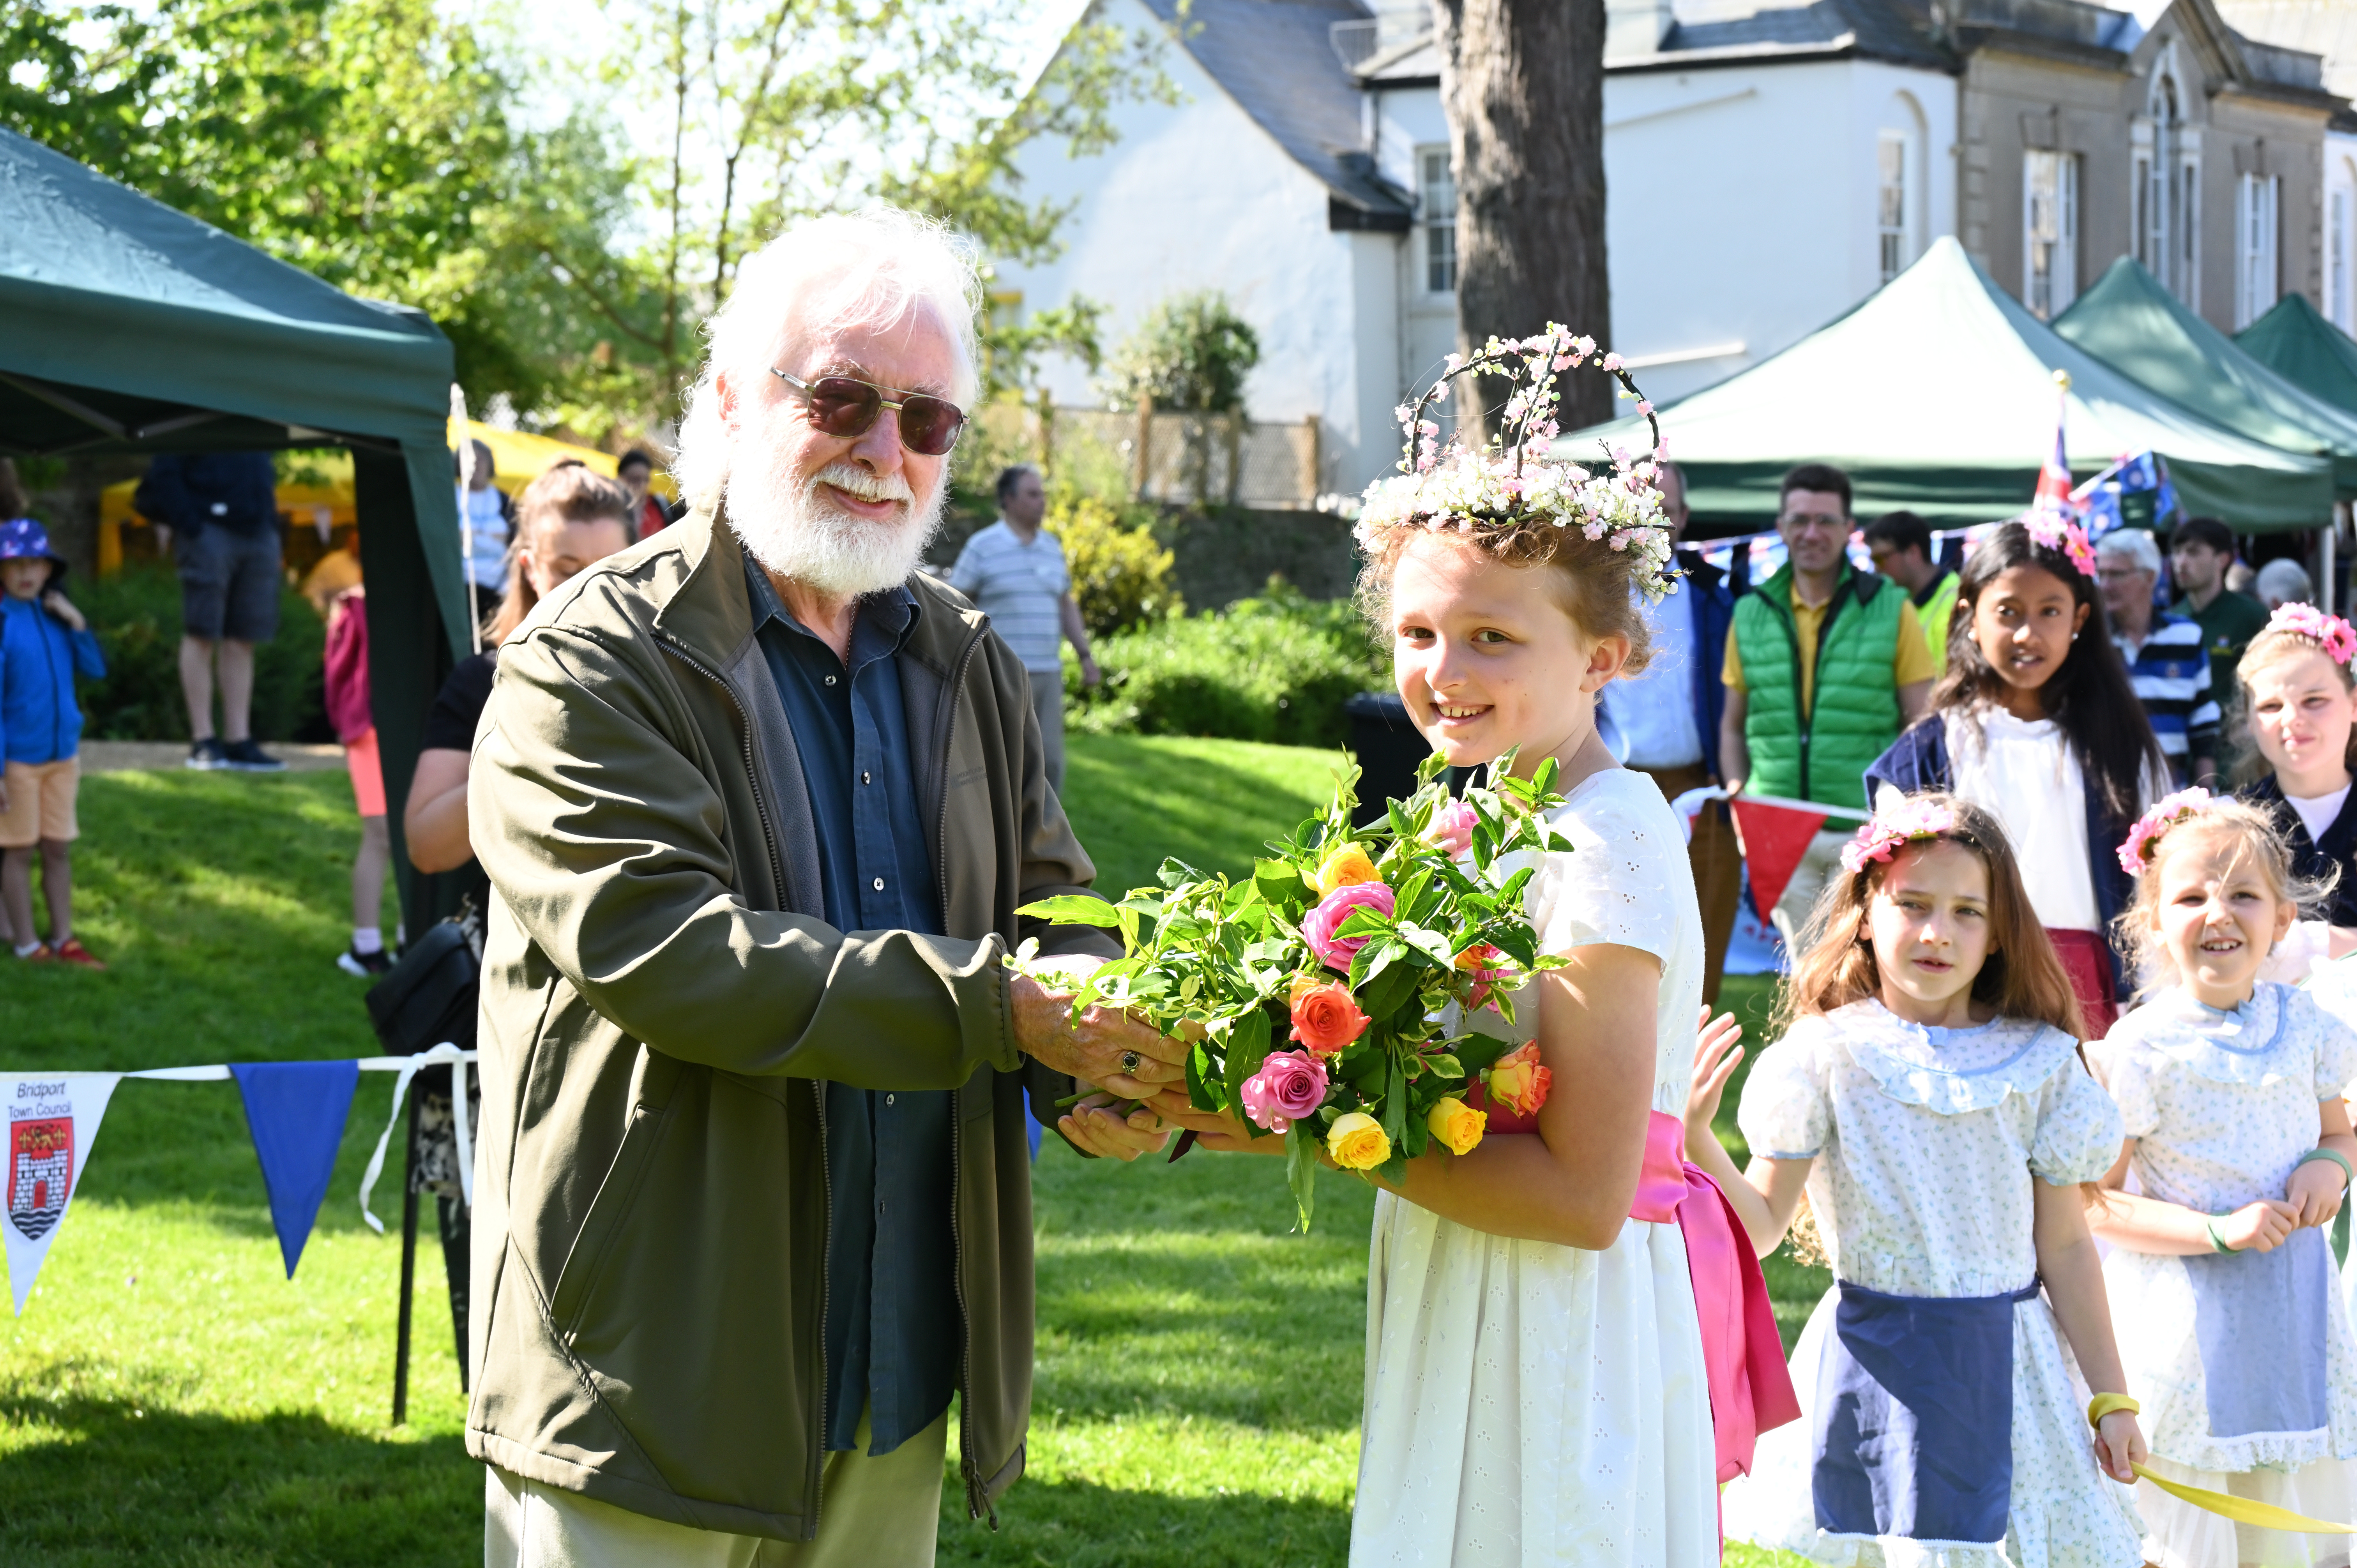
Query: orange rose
1325,1018
1456,1124
1519,1083
1357,1142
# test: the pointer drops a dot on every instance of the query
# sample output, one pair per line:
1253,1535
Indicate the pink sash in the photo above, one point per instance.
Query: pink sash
1751,1391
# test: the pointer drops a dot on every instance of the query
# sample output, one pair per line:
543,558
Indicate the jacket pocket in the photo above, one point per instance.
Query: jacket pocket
608,1212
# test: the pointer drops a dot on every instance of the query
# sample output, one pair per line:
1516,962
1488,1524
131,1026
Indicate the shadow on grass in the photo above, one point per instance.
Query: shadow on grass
88,1481
1079,1524
1134,799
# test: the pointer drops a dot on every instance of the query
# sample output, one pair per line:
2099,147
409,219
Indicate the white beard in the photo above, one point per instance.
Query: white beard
787,526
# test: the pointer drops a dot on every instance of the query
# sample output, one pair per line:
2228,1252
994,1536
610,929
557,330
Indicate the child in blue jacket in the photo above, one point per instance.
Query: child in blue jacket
43,641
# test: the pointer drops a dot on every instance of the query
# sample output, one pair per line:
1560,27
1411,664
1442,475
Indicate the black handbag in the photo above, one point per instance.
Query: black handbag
429,994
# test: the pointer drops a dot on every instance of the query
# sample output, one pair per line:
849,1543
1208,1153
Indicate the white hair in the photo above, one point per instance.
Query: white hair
878,267
2134,543
2283,582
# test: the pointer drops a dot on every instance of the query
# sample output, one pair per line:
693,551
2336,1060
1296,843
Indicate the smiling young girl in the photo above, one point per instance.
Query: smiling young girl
2296,682
1929,1098
2036,723
2229,1087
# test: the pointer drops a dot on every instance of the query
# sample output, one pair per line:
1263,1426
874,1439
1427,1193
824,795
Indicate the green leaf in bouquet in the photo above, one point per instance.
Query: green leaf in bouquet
1485,844
1395,1111
1301,1169
1431,767
1387,993
1282,883
1401,826
1072,910
1377,955
1544,776
1202,1077
1444,1065
1176,873
1428,942
1247,1036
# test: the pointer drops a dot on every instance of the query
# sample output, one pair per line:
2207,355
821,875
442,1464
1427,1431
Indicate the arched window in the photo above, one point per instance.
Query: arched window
2168,194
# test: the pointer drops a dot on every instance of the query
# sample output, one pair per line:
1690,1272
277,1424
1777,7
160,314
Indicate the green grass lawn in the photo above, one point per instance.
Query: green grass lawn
170,1397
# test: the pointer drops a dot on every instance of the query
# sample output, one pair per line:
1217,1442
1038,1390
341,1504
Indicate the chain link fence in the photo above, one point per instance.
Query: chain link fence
1186,459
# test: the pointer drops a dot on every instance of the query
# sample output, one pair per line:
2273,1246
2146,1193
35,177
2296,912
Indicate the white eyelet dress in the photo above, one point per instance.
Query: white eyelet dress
1926,1144
2244,1365
1529,1403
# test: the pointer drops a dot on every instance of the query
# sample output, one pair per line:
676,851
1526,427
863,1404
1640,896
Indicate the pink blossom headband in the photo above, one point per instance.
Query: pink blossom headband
2060,534
2166,813
1906,823
2335,636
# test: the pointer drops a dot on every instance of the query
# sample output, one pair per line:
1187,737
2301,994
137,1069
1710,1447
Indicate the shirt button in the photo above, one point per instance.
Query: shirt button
862,779
877,884
830,680
888,1099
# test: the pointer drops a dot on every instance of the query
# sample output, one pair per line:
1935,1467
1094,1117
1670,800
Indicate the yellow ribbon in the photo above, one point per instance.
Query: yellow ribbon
2245,1510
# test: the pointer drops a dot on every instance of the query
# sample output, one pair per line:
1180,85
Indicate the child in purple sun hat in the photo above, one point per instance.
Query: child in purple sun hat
44,643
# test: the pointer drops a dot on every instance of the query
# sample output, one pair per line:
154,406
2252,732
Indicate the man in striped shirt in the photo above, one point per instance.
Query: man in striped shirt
1015,573
2166,655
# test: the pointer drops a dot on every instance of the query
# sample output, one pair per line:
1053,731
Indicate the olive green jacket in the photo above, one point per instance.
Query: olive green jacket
661,1001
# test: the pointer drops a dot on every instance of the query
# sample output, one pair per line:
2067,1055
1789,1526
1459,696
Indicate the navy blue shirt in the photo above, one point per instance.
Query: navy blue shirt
892,1326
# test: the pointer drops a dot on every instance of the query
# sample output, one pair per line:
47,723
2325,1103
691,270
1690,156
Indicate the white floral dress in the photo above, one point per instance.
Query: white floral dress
1528,1404
1926,1143
2244,1365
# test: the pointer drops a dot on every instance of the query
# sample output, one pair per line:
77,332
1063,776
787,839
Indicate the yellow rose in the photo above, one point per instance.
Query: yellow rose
1456,1124
1345,868
1357,1142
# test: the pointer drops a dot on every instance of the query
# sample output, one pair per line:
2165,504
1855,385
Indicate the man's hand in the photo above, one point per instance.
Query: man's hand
1097,1127
1107,1047
1090,674
1215,1131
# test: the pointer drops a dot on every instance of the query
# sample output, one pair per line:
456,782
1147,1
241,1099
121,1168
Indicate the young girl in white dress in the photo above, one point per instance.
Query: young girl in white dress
1536,1390
2233,1329
1929,1098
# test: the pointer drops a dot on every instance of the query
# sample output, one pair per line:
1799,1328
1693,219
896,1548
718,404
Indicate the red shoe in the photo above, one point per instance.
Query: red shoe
70,950
42,954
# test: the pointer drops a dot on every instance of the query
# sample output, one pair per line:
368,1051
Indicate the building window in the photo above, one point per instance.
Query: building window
2049,227
2336,261
1439,222
1892,203
2187,280
2168,195
2255,200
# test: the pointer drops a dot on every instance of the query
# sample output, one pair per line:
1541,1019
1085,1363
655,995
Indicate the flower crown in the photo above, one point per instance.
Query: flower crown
2335,636
1513,480
1906,823
2166,813
2059,533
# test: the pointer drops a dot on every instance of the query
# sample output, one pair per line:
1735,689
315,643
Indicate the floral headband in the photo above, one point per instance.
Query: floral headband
1906,823
1516,480
2335,636
2059,533
2166,813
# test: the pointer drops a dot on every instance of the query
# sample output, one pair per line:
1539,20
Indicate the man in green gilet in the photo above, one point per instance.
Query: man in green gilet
1825,665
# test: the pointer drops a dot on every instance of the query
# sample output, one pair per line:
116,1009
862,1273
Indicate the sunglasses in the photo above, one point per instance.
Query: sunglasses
846,406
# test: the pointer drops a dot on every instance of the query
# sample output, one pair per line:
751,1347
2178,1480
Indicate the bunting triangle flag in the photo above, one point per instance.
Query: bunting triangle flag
1774,838
296,1112
52,1121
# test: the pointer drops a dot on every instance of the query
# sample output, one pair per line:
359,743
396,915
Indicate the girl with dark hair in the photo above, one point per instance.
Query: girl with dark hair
2036,723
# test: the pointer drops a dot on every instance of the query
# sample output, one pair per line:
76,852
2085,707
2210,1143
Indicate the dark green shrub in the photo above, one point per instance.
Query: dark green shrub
1278,668
136,614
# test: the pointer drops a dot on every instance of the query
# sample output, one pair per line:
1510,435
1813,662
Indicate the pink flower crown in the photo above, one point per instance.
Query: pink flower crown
1906,823
2335,636
2059,533
2166,813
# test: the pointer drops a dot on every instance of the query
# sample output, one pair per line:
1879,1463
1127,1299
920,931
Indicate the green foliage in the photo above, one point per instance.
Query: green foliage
1121,572
136,614
1278,668
1190,353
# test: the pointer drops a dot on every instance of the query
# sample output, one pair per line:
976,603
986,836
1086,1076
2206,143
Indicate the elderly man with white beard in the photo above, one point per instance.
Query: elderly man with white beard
758,802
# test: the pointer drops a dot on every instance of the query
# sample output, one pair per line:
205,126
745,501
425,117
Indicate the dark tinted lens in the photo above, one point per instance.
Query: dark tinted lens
841,406
930,424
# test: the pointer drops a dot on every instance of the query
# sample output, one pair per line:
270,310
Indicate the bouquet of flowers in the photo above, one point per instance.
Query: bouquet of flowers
1317,992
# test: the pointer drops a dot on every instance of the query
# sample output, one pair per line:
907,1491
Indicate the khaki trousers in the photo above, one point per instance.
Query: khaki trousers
1718,869
873,1513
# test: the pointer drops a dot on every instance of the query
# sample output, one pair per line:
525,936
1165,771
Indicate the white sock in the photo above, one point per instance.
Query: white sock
367,939
29,949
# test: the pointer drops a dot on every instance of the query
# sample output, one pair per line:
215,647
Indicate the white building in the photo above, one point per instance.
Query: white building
1768,165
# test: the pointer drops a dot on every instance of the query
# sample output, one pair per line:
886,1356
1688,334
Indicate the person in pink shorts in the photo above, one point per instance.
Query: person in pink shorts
44,643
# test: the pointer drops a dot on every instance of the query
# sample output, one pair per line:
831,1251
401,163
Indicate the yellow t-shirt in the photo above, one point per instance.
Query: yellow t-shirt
1910,659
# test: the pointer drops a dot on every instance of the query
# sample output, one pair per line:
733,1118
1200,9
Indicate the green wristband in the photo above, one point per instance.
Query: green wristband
2348,1176
2217,1242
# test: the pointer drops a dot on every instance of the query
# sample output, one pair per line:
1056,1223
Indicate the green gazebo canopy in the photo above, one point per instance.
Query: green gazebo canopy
2132,324
2298,344
132,328
1937,393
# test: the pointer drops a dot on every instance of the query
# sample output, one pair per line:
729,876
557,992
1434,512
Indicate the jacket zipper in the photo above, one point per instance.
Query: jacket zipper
1808,724
818,1089
977,1504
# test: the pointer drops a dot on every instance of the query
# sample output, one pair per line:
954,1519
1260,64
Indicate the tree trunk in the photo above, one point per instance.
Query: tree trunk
1523,83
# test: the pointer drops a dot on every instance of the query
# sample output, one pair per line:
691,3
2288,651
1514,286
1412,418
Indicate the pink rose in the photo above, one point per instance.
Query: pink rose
1451,828
1318,927
1289,1087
